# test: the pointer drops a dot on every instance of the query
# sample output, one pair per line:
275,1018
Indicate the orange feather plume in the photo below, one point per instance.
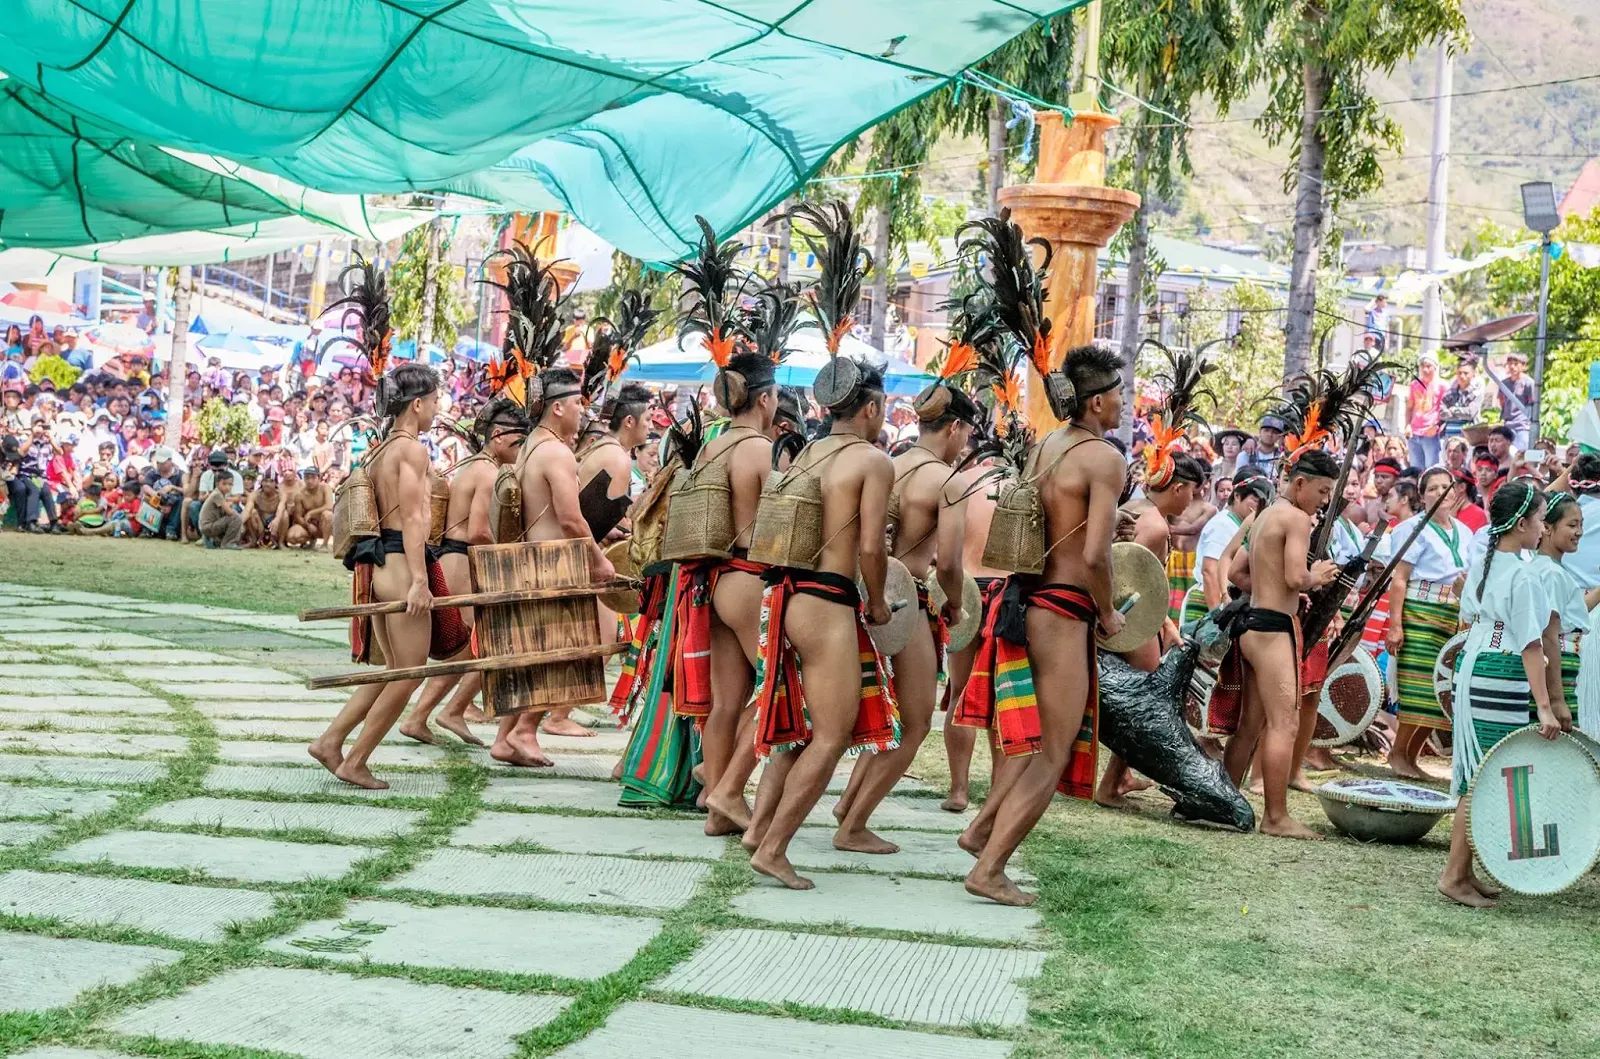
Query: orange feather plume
1311,434
1164,441
499,373
959,358
1007,395
380,356
617,363
1040,353
720,345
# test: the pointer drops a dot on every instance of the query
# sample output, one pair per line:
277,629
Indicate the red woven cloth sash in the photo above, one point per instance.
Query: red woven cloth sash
652,602
1000,692
1227,698
447,634
782,722
691,647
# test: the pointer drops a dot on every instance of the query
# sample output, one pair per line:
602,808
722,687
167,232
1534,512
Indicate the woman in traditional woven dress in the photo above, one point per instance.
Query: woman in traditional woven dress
1503,680
1563,529
1424,604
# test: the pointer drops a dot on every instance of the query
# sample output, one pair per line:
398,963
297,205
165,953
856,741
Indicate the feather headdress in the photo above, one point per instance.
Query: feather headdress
953,369
1325,403
616,342
366,305
535,327
1015,288
842,265
772,321
1184,381
713,285
686,436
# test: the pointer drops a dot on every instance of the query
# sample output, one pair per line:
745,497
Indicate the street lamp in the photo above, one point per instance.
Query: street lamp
1539,213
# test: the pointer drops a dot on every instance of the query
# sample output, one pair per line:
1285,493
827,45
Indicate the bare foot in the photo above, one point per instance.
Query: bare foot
418,729
969,842
1289,827
956,803
457,726
698,773
862,841
1405,769
841,809
998,888
1110,801
1131,783
616,770
1257,786
1465,893
1300,783
734,813
510,755
1489,890
473,715
328,757
360,776
718,825
752,837
780,869
565,726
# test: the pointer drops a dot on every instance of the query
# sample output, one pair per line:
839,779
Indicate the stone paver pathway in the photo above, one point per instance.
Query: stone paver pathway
156,799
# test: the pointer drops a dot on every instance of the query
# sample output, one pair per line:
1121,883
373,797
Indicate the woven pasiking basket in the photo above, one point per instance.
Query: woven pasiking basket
788,530
438,508
648,515
355,511
700,515
1016,532
505,506
540,625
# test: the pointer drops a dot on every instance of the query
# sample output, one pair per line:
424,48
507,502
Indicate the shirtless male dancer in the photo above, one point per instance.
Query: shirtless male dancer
1153,519
1279,542
813,619
548,475
608,450
959,740
499,430
310,512
1079,496
398,467
930,536
727,741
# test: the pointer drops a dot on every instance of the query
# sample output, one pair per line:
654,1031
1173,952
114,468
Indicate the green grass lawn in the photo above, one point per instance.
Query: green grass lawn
1166,939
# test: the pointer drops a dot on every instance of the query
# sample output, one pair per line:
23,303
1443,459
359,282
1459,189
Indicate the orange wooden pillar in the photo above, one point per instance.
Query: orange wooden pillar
1070,207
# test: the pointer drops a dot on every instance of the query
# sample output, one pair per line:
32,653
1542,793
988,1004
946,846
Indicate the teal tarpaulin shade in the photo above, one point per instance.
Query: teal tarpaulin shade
634,115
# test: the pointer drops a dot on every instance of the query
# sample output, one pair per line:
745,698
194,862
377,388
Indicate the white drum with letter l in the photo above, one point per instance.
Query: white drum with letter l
1534,812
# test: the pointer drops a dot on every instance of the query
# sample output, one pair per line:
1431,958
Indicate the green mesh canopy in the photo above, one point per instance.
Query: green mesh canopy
634,115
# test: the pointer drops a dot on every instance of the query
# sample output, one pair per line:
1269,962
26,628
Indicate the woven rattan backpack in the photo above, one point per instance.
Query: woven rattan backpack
788,530
1016,532
700,508
648,515
355,506
505,502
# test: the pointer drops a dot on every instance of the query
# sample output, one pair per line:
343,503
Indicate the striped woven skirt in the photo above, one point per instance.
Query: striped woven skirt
1571,646
1180,575
1497,698
1428,627
1194,606
658,766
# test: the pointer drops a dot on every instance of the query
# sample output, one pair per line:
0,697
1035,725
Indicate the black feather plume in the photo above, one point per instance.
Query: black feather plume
686,436
366,302
1015,288
713,286
842,262
536,324
1337,402
771,322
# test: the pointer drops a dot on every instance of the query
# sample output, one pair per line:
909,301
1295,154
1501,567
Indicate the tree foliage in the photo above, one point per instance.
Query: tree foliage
407,286
661,288
1511,285
1249,367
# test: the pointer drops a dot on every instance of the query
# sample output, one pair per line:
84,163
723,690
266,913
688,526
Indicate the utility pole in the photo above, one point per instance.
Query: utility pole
266,299
430,289
1438,198
178,359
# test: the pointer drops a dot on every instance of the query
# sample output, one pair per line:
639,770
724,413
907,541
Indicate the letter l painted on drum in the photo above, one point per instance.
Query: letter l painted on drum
1520,803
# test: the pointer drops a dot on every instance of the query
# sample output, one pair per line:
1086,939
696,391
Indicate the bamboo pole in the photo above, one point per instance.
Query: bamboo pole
471,665
471,599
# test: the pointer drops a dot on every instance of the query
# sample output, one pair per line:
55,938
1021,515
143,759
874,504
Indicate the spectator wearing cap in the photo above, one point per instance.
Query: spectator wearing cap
13,420
1269,446
221,525
28,489
162,490
310,512
273,435
1423,397
61,474
1462,401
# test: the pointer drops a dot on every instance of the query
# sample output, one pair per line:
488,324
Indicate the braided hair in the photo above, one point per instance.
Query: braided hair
1585,476
1512,503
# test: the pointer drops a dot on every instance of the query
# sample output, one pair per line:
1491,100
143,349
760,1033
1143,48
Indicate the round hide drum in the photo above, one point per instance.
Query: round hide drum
961,634
622,600
1139,588
1375,810
891,637
1530,812
1444,672
1351,698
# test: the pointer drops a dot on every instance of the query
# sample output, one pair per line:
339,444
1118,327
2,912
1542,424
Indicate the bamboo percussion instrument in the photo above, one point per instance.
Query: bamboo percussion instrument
469,665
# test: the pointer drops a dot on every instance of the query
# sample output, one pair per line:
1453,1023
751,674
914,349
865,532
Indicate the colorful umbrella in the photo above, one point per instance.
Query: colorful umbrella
38,301
122,338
